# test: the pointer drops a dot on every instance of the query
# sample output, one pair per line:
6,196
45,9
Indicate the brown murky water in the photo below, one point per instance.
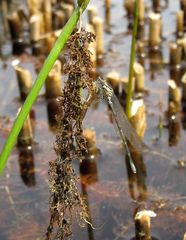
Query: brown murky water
113,193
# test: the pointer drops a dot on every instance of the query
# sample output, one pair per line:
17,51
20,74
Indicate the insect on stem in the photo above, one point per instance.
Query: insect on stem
126,131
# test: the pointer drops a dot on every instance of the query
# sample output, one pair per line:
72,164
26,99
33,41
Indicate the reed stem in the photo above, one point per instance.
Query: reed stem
132,59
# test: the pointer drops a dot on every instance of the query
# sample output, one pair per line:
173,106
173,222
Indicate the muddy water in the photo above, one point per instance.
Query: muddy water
113,193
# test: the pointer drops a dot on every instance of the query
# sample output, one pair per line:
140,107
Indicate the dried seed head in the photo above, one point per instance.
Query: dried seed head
70,142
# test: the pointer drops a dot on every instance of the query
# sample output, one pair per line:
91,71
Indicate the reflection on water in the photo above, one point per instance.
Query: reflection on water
155,61
88,173
26,165
137,181
174,130
52,110
113,192
183,117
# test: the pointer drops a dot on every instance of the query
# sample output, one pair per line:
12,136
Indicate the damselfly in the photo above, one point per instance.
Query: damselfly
126,131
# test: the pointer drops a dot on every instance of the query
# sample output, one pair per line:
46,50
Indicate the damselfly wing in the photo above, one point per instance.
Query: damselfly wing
124,127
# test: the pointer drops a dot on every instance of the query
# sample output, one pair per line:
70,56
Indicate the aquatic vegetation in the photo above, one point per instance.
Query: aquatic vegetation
70,142
49,62
93,183
132,59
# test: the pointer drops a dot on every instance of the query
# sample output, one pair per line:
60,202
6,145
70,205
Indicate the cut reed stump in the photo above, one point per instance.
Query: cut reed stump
90,137
33,6
92,49
25,137
15,26
175,54
138,117
4,12
175,58
107,14
35,27
182,43
49,41
156,4
139,75
58,18
129,7
174,94
22,14
143,224
113,78
107,5
53,82
141,52
92,12
119,84
154,30
52,92
98,28
141,20
16,32
141,11
183,84
183,7
68,9
24,79
47,15
179,23
184,237
88,166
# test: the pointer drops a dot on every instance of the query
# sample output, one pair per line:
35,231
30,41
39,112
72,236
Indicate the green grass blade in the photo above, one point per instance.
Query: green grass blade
132,59
49,62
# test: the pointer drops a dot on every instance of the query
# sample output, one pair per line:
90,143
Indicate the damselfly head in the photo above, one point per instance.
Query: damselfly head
100,82
105,87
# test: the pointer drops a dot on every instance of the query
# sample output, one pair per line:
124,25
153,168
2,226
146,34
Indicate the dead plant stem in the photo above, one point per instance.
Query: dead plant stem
132,59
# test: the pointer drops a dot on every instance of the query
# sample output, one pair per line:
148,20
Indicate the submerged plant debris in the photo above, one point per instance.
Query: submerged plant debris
70,144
